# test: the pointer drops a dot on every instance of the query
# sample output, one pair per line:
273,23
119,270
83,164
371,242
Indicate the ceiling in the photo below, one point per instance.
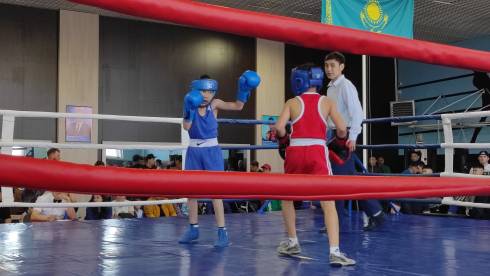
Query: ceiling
444,21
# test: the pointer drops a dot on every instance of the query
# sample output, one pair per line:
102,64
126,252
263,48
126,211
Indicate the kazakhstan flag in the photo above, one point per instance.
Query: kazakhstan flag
394,17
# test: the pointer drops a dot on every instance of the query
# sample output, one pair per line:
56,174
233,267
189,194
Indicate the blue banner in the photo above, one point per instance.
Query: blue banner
394,17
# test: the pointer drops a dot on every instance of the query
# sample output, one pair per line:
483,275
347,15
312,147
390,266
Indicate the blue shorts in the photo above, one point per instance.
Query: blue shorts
205,158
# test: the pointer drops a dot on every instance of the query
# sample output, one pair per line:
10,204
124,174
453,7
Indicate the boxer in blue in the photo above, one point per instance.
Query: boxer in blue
200,113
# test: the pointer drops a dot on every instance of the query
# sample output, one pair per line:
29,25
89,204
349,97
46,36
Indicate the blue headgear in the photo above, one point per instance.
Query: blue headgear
205,85
302,79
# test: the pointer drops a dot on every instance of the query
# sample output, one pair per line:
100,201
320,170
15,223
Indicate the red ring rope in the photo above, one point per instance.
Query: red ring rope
69,177
296,31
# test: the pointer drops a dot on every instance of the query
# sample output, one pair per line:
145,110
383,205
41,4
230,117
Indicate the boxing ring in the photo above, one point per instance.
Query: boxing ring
109,247
405,245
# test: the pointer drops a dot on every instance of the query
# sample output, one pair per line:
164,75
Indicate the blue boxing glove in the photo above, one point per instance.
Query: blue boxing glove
248,80
192,101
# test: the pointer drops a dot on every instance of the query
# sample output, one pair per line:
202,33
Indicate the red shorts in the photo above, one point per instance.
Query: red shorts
307,160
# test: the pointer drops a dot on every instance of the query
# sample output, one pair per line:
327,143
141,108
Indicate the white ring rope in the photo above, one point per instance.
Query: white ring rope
41,114
452,201
92,204
92,146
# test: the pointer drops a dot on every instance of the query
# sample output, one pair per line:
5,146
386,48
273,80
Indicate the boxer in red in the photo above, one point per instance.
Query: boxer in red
306,151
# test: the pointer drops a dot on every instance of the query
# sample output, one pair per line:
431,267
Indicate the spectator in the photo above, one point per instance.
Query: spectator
159,164
415,156
176,160
30,195
155,211
150,161
414,168
373,165
254,166
52,214
96,213
479,213
138,162
122,211
4,212
483,159
99,164
427,170
381,164
417,208
54,154
477,169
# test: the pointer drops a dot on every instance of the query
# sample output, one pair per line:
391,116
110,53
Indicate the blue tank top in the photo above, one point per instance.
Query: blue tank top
204,127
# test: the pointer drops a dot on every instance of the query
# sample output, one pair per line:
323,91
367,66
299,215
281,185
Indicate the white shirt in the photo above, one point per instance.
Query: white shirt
344,94
486,169
122,209
48,197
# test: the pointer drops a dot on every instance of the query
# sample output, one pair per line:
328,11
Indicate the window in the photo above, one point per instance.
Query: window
113,153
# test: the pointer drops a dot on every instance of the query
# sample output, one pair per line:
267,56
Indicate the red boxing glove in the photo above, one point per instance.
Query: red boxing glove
334,158
338,150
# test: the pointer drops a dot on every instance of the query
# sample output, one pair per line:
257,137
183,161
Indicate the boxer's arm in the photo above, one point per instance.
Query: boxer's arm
336,119
283,120
222,105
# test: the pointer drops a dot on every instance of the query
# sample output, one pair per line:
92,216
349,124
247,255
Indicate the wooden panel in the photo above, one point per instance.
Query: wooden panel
78,73
270,94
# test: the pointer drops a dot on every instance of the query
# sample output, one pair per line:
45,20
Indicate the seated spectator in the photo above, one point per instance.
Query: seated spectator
150,161
427,170
122,211
414,168
155,211
138,162
477,169
159,164
373,165
416,208
52,214
415,156
483,159
99,164
53,154
254,166
4,212
175,162
381,163
479,213
96,213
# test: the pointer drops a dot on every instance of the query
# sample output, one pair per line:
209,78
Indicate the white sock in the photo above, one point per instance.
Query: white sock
365,219
335,250
377,214
293,241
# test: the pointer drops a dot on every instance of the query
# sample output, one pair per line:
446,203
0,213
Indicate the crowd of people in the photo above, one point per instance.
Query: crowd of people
416,165
93,213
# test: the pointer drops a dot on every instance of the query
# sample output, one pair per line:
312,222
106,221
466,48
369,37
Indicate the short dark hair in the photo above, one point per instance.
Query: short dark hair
417,164
254,163
175,157
137,158
417,152
477,166
205,76
338,56
99,163
52,150
150,156
426,167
